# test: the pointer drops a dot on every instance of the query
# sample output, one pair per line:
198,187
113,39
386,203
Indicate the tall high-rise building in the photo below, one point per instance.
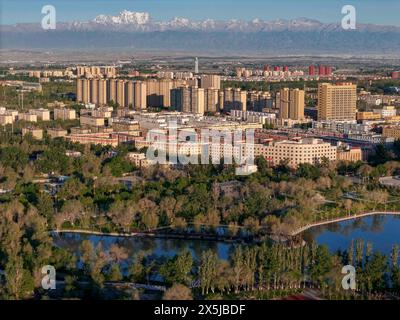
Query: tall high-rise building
189,99
212,100
239,100
129,94
153,93
328,70
210,81
337,101
180,99
95,71
282,103
102,92
165,87
296,104
198,105
85,91
221,99
228,99
321,70
112,90
121,93
290,103
258,100
140,93
79,94
311,70
94,91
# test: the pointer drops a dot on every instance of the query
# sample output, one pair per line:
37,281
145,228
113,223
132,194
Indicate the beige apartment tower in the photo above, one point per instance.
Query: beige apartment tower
239,100
165,87
337,101
112,90
140,94
296,104
211,81
85,91
121,93
211,100
102,100
198,106
153,93
94,91
129,94
290,103
228,99
282,103
79,94
189,99
82,90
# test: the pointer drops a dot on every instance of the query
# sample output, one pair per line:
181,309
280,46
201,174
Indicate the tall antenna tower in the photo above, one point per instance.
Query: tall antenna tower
196,65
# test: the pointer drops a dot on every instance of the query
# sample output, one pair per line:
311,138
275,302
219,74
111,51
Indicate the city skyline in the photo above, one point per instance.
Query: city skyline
381,13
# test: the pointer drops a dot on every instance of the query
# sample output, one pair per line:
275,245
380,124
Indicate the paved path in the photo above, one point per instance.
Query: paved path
349,217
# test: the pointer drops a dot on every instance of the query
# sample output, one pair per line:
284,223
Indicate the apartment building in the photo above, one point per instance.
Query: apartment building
29,117
125,125
56,132
92,121
337,101
6,119
64,114
259,100
210,81
349,154
290,103
391,132
42,114
104,139
212,100
138,159
188,99
35,132
296,152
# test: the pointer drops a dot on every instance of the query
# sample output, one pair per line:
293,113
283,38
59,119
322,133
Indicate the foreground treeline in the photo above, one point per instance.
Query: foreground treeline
268,268
94,196
251,271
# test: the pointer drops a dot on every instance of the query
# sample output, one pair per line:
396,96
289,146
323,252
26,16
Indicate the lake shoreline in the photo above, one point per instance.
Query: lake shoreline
215,238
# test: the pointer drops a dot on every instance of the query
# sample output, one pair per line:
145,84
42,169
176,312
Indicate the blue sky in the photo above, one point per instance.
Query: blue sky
368,11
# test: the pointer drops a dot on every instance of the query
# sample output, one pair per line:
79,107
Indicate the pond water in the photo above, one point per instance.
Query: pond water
382,231
153,246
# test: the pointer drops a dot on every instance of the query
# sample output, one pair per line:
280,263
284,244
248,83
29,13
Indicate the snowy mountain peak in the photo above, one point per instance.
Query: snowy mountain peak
178,21
124,17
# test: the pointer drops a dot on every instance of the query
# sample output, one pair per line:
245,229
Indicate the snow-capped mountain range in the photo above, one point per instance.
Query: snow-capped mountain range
137,30
125,17
142,21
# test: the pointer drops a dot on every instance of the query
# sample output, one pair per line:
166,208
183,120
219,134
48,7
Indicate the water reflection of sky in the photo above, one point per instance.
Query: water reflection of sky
155,247
382,231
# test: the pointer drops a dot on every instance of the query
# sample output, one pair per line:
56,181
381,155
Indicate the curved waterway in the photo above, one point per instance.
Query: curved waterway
382,231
